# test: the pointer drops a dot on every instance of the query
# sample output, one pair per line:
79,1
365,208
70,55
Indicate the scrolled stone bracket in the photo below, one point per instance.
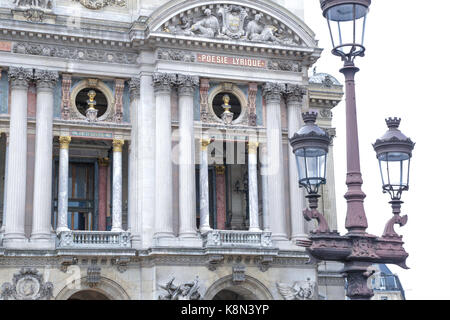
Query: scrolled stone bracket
214,261
121,263
66,262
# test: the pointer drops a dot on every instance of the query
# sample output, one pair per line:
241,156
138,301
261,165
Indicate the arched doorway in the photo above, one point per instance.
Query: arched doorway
88,295
226,289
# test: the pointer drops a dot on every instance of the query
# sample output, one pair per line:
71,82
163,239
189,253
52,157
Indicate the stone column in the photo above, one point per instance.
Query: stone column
145,152
117,186
103,165
134,224
42,201
264,188
163,163
2,230
294,96
186,87
204,187
63,183
221,197
17,158
275,173
253,186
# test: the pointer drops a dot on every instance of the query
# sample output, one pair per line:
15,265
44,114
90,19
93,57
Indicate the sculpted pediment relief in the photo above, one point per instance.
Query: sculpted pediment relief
231,22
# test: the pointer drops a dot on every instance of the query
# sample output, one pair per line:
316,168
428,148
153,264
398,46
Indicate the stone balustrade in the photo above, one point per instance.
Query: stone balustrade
232,238
93,239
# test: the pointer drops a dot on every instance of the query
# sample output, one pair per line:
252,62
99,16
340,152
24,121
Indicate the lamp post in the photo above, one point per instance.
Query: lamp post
357,250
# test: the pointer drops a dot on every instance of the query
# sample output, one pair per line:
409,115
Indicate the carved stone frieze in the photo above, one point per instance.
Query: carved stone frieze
284,65
175,55
185,291
65,99
252,91
121,263
232,22
300,290
99,4
74,53
28,284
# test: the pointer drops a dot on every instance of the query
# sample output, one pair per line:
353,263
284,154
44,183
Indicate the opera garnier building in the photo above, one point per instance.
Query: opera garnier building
144,150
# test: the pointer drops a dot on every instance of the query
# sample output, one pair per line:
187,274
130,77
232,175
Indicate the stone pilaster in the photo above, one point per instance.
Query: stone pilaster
252,91
186,89
294,97
163,83
65,87
42,203
2,230
134,223
264,187
63,183
17,158
275,173
118,99
204,187
103,165
117,186
253,186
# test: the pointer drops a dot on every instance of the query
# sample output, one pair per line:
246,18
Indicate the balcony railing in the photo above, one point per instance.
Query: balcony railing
93,239
232,238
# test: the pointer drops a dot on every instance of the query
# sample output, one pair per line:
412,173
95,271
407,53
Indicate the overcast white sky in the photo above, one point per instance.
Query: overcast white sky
405,73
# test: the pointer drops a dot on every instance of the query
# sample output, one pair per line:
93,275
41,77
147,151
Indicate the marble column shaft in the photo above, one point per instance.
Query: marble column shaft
253,186
117,186
294,99
63,183
187,210
17,157
275,168
204,187
264,188
42,200
103,165
163,163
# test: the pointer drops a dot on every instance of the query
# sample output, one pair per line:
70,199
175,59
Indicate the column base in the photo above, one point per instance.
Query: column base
15,241
43,244
116,230
205,229
62,229
254,230
178,242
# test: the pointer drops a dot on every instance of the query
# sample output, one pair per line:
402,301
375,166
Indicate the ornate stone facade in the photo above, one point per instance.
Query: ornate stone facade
133,208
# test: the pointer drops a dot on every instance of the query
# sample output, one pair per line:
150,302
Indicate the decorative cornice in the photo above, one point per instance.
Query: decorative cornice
45,78
20,77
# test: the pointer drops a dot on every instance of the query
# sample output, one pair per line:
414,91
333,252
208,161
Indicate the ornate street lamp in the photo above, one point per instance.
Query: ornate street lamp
357,250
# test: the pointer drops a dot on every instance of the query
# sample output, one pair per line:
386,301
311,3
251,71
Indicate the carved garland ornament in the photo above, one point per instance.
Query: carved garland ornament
231,22
99,4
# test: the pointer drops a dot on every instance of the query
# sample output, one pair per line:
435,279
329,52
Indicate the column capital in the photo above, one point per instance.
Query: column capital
20,77
205,143
135,88
45,79
64,142
103,162
253,147
294,93
117,145
272,91
220,169
163,82
187,84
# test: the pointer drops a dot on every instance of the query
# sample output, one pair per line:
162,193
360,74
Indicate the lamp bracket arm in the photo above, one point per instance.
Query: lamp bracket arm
389,231
316,215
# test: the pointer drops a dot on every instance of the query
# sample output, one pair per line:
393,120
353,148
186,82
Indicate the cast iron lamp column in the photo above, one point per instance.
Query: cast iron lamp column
357,249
